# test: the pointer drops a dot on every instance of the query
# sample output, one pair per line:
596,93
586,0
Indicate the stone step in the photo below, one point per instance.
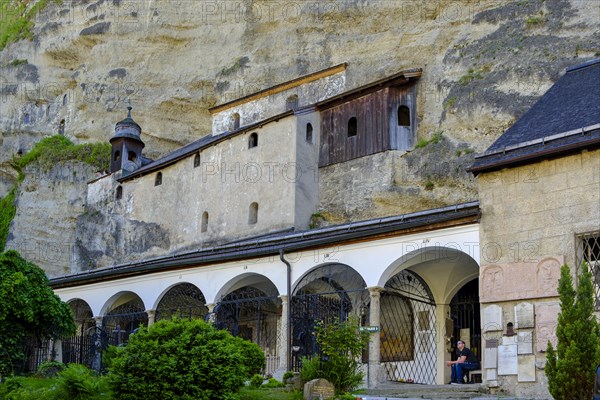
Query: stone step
417,391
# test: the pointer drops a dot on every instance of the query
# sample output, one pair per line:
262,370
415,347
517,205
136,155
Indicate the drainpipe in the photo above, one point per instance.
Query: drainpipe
289,315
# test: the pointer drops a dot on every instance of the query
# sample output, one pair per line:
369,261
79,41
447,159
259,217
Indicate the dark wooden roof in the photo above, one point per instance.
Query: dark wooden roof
565,119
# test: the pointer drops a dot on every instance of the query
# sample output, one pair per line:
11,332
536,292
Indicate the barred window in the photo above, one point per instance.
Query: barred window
588,250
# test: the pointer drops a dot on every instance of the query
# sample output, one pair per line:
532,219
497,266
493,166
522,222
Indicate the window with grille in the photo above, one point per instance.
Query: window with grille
588,250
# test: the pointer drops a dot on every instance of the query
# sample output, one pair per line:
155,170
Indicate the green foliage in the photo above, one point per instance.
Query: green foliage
429,185
18,21
55,149
341,345
571,366
435,139
256,381
7,213
273,383
77,382
473,74
263,393
50,369
29,308
288,375
181,359
254,358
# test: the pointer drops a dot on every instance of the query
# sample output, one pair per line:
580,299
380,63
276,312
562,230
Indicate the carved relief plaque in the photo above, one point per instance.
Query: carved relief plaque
524,315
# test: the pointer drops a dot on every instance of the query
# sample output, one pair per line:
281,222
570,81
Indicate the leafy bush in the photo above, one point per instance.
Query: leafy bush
54,149
77,382
273,383
571,367
256,381
288,375
254,358
50,369
29,308
181,359
341,345
7,213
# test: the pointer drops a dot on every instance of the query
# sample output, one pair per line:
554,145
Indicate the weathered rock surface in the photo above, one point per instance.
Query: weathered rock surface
484,63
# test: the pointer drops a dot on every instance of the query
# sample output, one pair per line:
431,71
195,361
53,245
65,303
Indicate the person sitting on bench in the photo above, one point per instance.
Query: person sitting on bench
467,361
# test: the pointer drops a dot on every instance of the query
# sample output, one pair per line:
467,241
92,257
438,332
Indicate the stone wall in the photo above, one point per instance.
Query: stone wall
524,242
154,220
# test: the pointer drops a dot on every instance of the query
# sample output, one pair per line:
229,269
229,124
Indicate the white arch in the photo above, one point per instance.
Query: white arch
314,268
245,279
117,299
162,294
444,269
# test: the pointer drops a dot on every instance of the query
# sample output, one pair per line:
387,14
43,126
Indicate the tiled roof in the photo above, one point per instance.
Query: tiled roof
566,117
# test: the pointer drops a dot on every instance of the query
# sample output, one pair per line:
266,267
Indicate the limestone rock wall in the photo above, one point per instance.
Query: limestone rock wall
484,63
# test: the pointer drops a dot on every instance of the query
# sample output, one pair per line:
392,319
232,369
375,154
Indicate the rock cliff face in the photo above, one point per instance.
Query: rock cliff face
484,63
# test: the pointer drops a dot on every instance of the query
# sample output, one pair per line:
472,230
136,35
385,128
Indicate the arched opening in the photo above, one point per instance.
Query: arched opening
77,349
27,119
64,100
158,179
253,214
204,223
61,127
119,194
327,293
403,116
408,339
184,301
117,155
466,319
352,127
309,133
131,156
252,310
125,315
235,121
253,140
197,160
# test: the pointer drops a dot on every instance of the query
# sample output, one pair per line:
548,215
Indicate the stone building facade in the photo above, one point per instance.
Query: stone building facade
227,233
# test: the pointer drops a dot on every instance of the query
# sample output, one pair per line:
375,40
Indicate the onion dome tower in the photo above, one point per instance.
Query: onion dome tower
127,145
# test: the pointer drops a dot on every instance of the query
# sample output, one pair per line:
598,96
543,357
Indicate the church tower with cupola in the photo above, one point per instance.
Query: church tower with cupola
127,146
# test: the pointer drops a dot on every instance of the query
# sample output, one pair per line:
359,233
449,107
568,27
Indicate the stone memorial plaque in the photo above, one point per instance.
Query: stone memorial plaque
490,357
526,369
525,342
524,314
492,318
318,389
507,360
506,340
490,374
546,317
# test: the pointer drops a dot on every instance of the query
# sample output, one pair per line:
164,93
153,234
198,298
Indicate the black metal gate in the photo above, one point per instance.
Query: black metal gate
408,337
120,322
80,348
464,311
253,315
184,300
329,293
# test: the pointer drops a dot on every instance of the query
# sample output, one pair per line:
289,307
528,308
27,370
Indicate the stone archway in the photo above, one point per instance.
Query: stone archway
184,300
327,293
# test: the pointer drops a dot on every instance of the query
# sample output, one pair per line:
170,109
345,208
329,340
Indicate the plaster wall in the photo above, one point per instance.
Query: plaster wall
271,105
229,178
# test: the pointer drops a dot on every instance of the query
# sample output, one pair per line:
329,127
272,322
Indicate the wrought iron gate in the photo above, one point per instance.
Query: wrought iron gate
464,311
251,314
330,293
408,338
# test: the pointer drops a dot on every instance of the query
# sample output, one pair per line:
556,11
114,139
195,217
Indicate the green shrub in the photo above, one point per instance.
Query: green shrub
288,375
273,383
256,381
50,369
571,367
180,359
77,382
254,358
341,345
7,213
